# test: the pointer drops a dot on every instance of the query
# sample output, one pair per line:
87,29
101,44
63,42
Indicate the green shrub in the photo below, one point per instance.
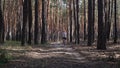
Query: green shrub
4,56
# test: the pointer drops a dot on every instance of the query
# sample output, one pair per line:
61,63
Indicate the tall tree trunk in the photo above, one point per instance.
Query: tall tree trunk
90,22
43,35
36,23
109,18
93,21
105,14
77,22
115,21
101,44
25,16
30,22
70,19
85,21
108,25
74,16
1,25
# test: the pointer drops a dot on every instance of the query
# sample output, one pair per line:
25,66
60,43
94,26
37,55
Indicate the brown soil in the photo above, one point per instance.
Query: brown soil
60,56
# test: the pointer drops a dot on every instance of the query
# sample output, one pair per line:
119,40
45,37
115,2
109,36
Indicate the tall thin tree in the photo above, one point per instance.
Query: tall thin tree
1,25
74,16
70,19
101,44
93,21
85,20
115,21
30,22
77,22
36,27
43,34
90,22
25,16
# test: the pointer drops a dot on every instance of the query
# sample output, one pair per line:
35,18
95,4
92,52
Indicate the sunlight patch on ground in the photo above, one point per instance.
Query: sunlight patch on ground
93,53
37,55
115,47
59,42
53,49
60,48
55,52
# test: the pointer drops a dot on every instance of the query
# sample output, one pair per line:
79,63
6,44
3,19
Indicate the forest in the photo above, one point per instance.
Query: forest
59,34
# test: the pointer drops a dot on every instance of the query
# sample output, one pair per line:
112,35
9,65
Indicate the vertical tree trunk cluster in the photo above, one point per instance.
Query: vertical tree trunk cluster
76,21
26,34
39,21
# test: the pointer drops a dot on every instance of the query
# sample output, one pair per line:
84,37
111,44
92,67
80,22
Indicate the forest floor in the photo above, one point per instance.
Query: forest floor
56,55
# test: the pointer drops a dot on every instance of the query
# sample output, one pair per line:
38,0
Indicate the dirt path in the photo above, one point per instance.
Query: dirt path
68,50
56,55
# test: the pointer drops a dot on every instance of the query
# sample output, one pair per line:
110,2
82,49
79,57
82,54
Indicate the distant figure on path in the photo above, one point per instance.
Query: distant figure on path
64,36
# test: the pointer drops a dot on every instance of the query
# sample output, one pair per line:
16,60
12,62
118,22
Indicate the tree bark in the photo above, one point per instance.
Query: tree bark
115,21
1,25
85,21
70,19
25,16
43,35
77,22
101,44
36,30
90,22
30,23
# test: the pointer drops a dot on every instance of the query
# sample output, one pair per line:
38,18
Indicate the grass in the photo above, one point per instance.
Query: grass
14,45
11,44
4,56
8,46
